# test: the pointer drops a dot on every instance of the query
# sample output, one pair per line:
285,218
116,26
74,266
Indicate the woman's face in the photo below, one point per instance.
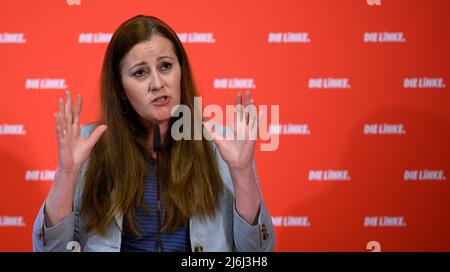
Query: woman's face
151,77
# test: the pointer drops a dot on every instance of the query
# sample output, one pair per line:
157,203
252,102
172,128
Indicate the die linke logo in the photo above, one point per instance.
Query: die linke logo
46,83
384,221
12,221
234,83
329,83
195,37
291,221
424,83
384,129
94,37
288,37
384,37
12,129
289,129
40,175
12,38
373,2
329,175
73,2
424,175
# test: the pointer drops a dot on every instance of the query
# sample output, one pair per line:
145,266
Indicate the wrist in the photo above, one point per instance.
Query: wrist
243,179
68,172
241,169
65,180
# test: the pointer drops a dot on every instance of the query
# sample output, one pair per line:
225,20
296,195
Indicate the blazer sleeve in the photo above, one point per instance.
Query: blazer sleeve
260,237
56,237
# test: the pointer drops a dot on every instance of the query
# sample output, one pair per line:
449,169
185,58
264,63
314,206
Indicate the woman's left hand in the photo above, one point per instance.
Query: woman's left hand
237,145
237,148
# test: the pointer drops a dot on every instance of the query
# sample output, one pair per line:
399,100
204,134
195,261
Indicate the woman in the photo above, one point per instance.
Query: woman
115,190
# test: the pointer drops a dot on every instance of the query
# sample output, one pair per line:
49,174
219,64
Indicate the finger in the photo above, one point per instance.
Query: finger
246,117
253,117
235,124
239,131
238,99
95,135
62,113
238,104
69,115
247,98
210,132
59,131
253,127
261,118
76,114
207,129
247,102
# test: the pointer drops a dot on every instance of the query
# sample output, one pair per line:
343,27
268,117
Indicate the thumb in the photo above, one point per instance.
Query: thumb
210,132
96,134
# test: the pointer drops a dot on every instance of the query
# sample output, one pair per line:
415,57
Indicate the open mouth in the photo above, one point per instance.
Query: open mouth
161,100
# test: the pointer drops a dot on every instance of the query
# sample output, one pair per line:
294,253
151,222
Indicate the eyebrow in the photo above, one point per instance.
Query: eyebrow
144,62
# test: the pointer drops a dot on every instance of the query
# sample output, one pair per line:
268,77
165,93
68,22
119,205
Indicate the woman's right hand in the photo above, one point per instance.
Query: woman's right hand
73,149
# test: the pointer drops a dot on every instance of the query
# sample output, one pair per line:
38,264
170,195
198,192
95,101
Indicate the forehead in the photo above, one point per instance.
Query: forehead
149,51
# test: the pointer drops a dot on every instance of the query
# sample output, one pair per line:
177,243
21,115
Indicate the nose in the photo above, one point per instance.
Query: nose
156,82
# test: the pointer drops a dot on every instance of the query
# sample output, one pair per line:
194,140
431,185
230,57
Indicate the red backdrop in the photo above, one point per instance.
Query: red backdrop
364,151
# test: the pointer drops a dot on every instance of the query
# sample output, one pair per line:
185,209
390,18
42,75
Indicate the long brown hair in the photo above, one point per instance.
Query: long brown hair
114,180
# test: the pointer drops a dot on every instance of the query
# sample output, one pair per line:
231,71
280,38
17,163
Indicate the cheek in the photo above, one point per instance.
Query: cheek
132,88
177,84
178,93
127,87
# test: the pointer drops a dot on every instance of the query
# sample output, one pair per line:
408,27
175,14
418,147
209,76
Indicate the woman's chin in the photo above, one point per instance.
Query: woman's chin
160,120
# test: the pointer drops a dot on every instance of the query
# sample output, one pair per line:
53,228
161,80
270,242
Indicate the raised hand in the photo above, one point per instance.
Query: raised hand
237,149
238,145
73,150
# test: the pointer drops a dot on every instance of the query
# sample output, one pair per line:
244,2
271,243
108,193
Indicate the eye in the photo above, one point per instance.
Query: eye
166,66
139,73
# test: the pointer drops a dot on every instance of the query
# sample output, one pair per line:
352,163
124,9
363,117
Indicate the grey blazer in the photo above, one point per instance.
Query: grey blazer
227,231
